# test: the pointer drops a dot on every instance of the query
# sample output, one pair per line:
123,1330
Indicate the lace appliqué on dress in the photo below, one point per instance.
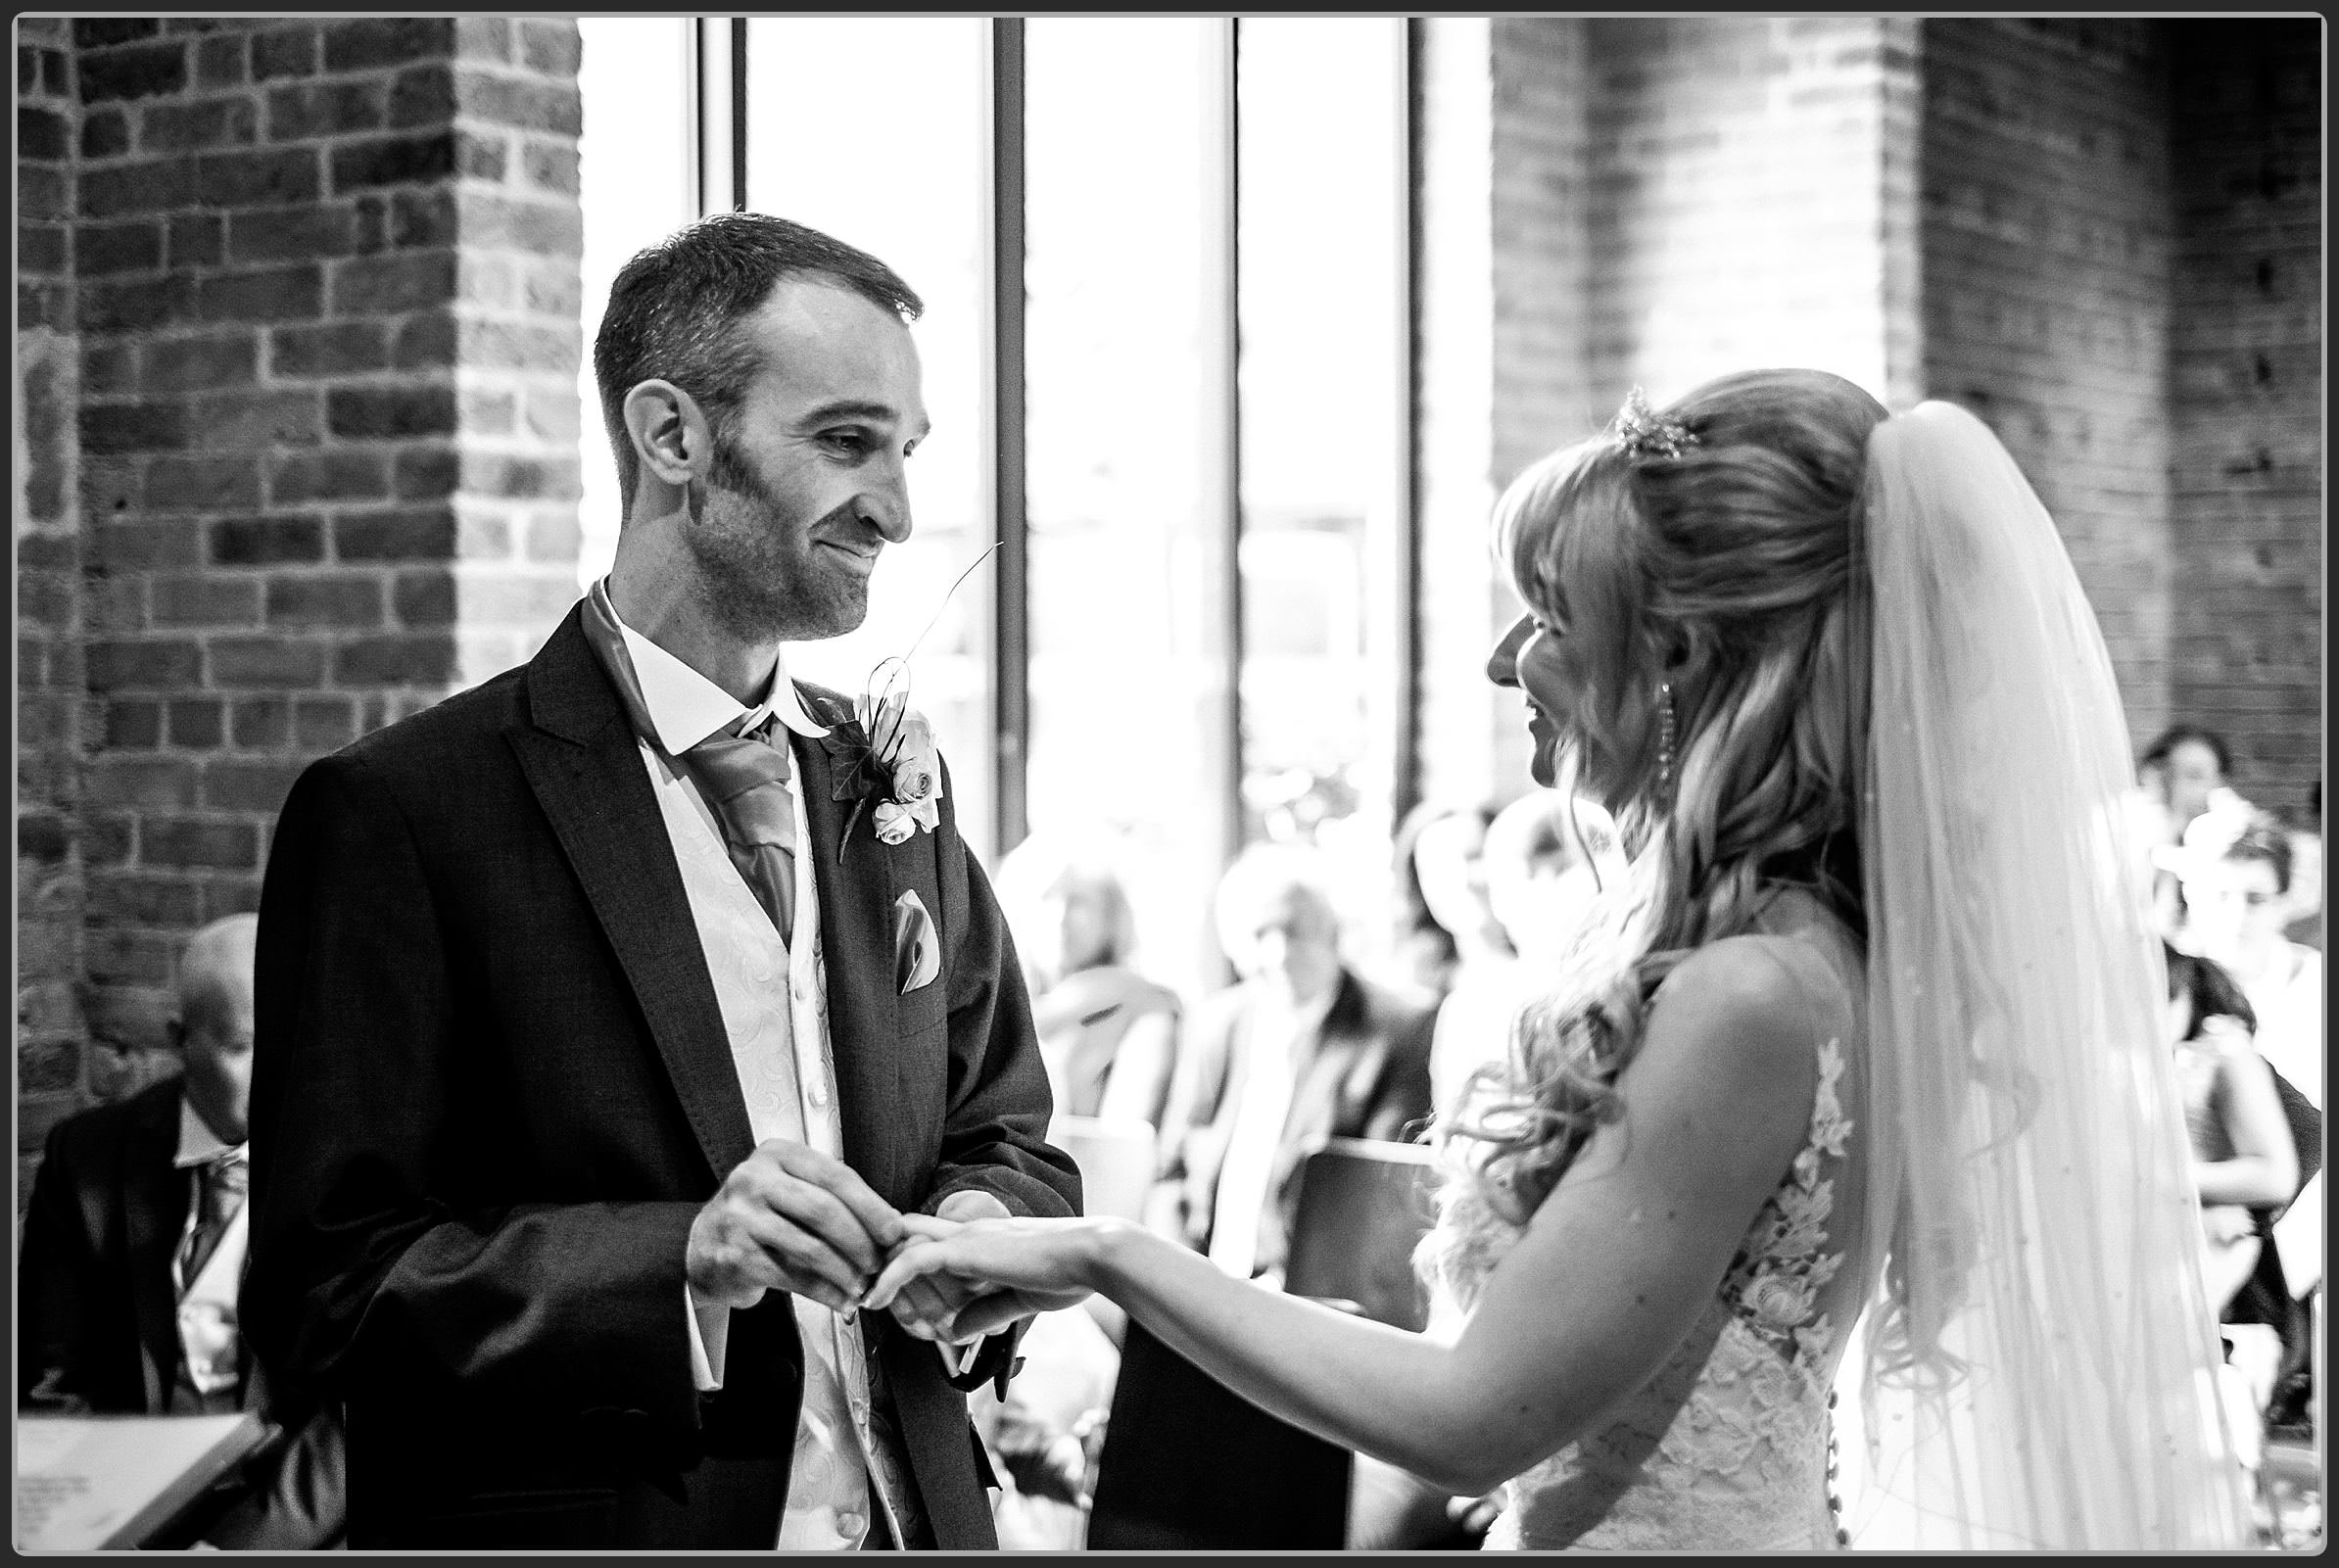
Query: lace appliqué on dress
1726,1447
1776,1280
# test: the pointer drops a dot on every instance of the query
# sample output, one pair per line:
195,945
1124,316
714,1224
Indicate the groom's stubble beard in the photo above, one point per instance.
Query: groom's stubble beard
757,573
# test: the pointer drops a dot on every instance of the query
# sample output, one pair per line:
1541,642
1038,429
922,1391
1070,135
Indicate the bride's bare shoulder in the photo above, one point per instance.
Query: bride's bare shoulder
1745,994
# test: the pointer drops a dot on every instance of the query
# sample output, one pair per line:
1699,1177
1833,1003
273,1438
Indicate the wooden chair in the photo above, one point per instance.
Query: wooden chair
1190,1467
1364,1206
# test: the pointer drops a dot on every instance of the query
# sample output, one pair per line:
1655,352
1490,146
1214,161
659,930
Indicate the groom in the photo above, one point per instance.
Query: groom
618,1018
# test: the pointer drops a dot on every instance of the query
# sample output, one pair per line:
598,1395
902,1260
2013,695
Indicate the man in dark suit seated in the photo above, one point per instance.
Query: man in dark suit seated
1301,1049
133,1250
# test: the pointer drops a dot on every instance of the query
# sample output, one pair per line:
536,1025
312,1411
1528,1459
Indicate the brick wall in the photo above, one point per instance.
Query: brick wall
1627,200
326,296
2046,239
48,556
1739,203
2246,634
2103,235
1544,250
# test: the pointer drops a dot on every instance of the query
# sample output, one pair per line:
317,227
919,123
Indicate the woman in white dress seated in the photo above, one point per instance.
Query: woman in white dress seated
1876,1045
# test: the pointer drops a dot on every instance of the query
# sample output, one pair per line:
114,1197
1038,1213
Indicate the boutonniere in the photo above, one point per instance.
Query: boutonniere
884,755
885,760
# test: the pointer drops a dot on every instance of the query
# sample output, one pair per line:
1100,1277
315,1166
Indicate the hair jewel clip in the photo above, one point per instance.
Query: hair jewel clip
1640,431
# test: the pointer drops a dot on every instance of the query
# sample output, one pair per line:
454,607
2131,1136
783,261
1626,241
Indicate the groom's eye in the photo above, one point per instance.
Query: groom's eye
852,442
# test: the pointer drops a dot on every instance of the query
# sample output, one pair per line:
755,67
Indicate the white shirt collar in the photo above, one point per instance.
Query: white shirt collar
197,1143
686,708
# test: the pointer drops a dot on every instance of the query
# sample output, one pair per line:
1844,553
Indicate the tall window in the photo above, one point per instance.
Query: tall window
637,171
1321,258
1208,585
872,130
1126,268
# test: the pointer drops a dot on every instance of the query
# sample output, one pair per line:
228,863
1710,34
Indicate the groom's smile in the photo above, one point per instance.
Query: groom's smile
809,482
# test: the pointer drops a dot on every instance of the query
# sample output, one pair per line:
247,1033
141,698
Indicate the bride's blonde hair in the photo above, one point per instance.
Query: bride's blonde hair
1740,555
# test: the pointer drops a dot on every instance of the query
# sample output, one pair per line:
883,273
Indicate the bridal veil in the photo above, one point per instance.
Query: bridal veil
2040,1373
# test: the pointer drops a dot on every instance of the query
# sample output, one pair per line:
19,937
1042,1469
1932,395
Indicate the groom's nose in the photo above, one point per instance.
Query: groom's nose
1502,665
886,509
885,505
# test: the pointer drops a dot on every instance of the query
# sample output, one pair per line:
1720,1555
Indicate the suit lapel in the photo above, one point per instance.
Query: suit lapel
1320,1098
581,758
856,926
154,1196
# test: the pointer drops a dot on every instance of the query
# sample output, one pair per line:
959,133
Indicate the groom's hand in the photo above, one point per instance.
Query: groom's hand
790,1218
932,1301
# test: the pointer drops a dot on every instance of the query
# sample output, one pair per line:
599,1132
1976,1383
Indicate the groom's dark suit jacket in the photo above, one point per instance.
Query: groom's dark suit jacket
492,1088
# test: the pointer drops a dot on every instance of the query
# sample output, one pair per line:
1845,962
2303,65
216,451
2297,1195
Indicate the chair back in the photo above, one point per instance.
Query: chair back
1364,1206
1116,1160
1189,1466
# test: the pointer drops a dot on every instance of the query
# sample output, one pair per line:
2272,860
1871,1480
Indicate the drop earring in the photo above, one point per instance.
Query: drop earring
1664,777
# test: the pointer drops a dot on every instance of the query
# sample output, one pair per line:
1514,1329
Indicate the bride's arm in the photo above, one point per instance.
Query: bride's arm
1612,1272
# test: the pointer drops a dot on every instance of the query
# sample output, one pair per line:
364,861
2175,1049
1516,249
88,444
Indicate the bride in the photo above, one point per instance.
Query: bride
1870,1060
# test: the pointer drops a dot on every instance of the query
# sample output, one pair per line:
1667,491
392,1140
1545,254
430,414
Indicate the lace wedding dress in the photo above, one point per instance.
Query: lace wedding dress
1995,1111
1727,1446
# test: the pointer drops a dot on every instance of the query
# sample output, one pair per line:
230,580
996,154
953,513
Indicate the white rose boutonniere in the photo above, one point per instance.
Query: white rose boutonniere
887,763
886,760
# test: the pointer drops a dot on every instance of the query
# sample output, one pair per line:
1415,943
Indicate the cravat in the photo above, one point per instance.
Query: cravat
744,778
219,1187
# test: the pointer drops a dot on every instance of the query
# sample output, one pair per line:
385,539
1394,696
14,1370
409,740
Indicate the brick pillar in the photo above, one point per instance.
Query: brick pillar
328,302
2245,633
1502,287
49,887
1749,178
2047,240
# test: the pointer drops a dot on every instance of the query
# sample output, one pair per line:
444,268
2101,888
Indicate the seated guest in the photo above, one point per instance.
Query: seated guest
2237,892
1299,1050
2181,780
2243,1158
2186,767
1548,857
1446,927
2246,1165
133,1253
1106,1034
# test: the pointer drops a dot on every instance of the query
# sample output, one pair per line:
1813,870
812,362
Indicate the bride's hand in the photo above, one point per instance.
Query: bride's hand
1012,1268
931,1302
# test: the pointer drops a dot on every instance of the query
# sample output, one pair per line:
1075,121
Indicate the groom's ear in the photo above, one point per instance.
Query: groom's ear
669,432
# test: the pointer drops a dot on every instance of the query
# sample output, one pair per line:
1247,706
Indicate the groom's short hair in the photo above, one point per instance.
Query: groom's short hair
675,310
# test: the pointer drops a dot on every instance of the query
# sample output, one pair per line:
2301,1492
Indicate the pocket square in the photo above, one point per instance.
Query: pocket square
916,951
